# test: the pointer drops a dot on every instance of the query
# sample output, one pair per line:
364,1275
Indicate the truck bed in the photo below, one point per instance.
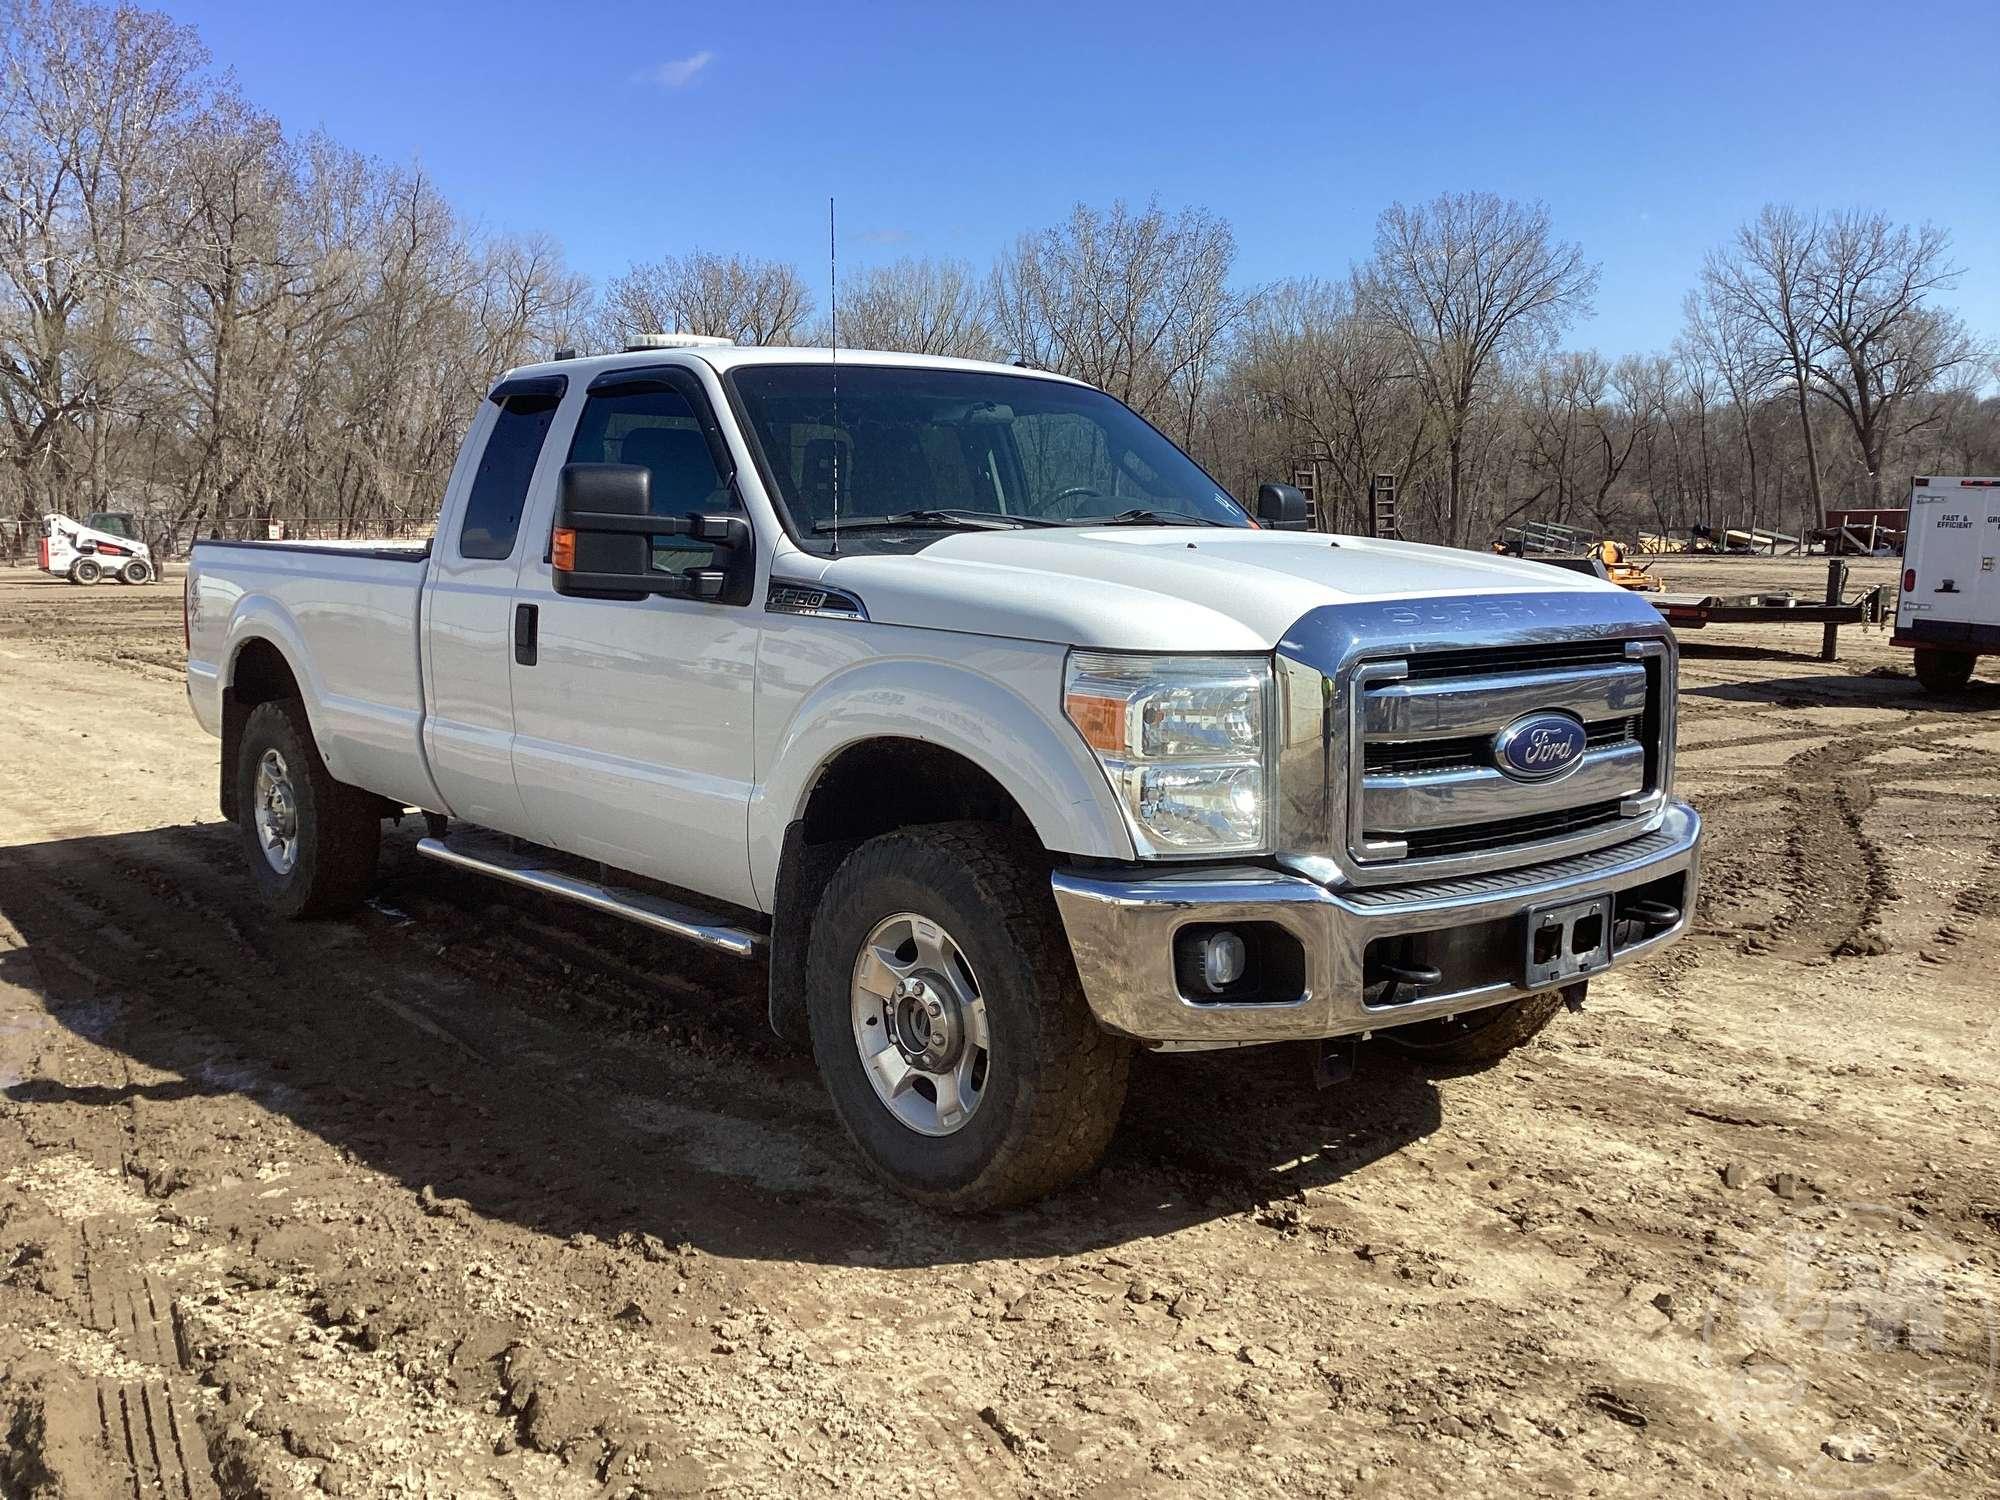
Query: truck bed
345,617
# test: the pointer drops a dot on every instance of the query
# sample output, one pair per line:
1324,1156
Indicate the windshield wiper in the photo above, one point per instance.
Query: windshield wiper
947,520
1144,518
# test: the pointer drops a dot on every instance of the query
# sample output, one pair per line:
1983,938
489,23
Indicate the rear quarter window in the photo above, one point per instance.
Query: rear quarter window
500,488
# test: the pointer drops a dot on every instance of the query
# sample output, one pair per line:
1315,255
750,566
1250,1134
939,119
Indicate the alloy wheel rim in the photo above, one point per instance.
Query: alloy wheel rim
277,813
919,1023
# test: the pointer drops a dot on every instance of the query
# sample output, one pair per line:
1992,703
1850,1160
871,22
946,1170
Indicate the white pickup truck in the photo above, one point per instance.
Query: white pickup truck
969,702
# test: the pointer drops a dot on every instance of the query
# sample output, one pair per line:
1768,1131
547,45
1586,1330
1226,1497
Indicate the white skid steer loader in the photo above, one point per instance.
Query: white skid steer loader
106,545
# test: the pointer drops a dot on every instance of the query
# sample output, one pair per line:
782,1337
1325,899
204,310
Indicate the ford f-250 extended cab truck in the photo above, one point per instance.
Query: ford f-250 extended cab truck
996,725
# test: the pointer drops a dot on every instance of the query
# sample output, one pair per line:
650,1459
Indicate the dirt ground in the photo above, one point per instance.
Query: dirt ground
479,1195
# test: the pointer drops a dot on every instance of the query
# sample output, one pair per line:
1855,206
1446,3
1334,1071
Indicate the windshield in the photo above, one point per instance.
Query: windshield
926,446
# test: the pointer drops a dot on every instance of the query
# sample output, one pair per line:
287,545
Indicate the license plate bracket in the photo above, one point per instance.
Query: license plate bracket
1566,942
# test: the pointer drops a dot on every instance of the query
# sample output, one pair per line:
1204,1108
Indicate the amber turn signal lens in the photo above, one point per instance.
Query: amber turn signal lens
1101,720
562,550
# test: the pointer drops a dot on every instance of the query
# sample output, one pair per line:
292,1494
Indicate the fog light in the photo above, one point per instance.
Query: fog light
1222,960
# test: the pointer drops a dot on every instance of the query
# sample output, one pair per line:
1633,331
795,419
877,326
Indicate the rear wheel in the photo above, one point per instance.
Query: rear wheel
1479,1038
138,570
1944,671
311,842
949,1025
85,570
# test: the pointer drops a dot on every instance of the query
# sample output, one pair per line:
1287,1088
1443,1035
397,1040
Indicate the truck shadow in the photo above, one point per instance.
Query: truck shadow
1892,692
570,1074
1693,649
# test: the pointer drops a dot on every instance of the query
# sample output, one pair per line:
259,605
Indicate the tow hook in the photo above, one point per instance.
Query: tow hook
1395,973
1652,913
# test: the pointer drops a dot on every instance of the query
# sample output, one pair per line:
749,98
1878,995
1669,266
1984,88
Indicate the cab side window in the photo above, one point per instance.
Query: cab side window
500,488
657,429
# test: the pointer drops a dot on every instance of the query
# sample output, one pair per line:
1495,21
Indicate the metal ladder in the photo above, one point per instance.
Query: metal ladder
1382,507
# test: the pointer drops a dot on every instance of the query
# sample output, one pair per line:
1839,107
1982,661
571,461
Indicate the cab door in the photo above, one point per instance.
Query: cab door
632,717
469,601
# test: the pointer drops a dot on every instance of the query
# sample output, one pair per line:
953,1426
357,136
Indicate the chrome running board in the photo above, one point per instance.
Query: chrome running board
656,912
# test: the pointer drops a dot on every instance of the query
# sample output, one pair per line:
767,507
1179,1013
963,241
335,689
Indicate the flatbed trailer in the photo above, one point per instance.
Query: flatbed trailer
1698,611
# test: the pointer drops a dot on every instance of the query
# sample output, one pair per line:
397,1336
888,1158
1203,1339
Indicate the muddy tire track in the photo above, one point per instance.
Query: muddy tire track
1836,876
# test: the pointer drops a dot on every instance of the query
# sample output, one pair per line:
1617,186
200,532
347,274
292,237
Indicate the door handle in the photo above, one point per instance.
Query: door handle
527,618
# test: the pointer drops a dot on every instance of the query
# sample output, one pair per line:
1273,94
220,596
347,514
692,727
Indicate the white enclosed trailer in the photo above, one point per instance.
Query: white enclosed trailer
1949,610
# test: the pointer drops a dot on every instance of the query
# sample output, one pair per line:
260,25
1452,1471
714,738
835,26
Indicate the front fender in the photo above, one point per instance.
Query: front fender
1022,742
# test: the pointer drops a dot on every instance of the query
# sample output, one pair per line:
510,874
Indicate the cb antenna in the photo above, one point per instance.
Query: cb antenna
833,362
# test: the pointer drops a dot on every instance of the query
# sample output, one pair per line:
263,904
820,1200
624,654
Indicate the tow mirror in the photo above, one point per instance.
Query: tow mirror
602,546
1280,507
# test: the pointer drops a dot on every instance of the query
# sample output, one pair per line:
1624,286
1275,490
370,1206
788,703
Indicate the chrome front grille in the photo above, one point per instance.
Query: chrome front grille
1425,790
1386,773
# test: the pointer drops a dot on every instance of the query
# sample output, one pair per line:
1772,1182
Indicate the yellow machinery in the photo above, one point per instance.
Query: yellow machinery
1627,575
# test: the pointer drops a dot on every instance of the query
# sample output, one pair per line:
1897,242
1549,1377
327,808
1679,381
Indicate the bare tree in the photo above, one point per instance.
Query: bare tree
1724,336
1693,395
726,296
1581,416
917,307
1462,282
1879,341
1553,396
1327,374
529,303
1138,304
1634,393
225,299
92,105
1764,282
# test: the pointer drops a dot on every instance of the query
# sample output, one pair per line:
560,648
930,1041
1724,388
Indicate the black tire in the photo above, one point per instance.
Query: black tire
85,570
1944,671
339,827
1479,1038
138,570
1055,1081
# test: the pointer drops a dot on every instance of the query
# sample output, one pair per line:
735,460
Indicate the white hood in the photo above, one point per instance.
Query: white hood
1144,588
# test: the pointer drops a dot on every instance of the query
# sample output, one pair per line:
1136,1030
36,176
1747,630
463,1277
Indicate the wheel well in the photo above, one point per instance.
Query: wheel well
878,786
866,790
260,674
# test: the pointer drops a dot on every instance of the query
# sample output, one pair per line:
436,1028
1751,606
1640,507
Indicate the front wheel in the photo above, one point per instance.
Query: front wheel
311,842
86,570
1476,1039
1944,671
949,1024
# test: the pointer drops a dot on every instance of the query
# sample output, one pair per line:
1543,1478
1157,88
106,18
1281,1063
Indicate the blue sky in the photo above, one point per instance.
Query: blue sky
631,130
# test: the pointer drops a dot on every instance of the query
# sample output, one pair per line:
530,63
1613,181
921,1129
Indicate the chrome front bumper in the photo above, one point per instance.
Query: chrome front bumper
1122,924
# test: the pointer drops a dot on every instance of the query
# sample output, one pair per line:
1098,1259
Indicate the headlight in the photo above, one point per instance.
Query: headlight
1183,740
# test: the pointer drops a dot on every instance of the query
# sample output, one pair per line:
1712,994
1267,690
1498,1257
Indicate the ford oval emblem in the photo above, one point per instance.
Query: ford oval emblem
1539,747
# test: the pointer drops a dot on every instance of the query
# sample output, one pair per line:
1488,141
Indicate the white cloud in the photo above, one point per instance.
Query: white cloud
679,72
